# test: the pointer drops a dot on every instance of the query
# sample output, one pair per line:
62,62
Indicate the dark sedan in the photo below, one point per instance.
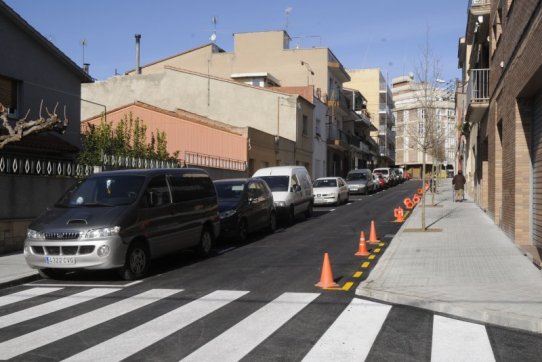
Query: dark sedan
246,206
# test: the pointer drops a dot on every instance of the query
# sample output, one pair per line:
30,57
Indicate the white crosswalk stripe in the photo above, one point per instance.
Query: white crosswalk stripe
239,340
351,336
128,343
455,340
25,294
53,306
343,340
41,337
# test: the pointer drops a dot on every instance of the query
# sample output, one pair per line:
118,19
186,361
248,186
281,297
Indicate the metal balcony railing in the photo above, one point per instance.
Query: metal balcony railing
336,134
478,86
479,2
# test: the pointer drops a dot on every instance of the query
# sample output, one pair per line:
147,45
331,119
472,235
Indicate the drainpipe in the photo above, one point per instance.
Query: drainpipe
138,41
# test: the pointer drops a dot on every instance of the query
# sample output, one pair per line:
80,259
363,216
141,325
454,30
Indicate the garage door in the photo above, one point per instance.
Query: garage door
537,171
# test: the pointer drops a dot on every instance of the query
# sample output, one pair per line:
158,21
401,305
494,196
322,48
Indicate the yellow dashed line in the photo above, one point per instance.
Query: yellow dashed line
358,274
371,257
347,286
377,250
381,244
365,264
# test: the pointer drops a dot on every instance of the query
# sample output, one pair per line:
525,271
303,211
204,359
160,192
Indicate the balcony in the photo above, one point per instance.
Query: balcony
477,94
337,138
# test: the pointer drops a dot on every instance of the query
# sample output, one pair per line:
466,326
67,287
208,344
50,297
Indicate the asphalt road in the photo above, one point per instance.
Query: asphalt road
254,301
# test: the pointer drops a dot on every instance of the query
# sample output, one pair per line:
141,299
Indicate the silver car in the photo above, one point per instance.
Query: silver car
360,181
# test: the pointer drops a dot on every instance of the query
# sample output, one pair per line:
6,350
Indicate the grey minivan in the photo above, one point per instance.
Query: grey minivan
123,219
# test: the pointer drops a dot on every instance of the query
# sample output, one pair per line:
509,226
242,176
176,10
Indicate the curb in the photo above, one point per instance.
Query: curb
19,281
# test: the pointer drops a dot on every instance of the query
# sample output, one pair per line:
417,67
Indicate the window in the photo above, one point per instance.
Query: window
8,94
159,190
305,125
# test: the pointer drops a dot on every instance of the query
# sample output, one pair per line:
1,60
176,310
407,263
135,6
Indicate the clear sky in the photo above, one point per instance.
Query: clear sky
388,34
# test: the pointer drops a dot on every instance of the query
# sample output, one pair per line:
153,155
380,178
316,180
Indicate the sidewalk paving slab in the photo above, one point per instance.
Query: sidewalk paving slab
469,269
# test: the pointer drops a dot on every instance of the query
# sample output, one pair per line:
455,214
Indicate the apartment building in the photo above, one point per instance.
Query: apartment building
501,147
411,101
373,85
266,59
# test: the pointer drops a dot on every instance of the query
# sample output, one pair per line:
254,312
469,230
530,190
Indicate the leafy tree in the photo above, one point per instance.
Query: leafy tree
128,138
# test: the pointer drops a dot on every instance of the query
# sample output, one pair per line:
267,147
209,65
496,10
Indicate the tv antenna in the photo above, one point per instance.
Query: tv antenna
287,13
212,38
83,45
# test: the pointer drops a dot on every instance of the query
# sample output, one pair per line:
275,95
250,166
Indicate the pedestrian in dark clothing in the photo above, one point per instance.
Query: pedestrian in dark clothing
459,185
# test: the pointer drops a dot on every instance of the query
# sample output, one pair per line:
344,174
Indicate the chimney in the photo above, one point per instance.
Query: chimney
138,40
86,67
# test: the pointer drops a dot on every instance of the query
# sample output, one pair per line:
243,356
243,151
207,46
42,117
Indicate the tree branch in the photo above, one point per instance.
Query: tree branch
24,127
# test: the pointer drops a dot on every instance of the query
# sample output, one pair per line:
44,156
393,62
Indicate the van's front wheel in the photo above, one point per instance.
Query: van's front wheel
137,262
205,243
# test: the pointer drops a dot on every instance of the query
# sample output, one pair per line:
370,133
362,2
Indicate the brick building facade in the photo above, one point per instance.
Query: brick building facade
507,139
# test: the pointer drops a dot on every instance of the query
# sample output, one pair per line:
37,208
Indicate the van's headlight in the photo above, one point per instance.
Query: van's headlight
227,213
101,233
33,234
280,204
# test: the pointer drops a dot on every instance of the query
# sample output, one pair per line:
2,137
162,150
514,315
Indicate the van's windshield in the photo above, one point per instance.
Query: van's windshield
276,183
103,191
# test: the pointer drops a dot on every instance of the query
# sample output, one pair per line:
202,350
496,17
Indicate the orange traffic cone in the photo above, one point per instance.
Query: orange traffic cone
372,235
362,251
326,279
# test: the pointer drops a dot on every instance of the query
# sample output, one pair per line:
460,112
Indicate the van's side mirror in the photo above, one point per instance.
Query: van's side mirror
295,188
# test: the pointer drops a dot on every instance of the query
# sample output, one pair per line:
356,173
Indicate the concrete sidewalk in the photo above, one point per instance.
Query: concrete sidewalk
464,267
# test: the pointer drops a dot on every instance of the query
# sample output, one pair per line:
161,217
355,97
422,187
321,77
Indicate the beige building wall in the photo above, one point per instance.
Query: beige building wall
278,114
261,53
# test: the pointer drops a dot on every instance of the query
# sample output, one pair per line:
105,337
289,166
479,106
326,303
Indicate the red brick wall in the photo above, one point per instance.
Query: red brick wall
516,59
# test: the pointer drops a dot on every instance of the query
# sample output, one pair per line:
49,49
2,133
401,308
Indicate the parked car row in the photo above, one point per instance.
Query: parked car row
124,219
365,181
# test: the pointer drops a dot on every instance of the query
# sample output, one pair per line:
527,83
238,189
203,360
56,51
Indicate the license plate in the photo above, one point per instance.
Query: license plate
60,260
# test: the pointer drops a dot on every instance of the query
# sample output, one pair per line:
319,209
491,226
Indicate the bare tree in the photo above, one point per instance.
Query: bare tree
16,130
428,135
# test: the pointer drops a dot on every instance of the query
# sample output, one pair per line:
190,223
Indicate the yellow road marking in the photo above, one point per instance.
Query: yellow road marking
358,274
365,264
381,244
377,250
371,257
347,286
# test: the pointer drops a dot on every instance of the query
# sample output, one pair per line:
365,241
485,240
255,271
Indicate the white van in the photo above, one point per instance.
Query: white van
292,190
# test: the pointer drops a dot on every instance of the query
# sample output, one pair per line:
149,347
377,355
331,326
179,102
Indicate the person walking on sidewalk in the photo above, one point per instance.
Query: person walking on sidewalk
459,185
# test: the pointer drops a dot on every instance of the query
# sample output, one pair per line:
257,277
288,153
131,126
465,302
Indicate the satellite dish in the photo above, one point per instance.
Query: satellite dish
213,37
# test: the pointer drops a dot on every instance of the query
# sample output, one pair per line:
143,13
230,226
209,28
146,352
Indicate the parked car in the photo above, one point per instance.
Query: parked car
381,180
378,181
386,173
360,181
246,206
123,219
330,190
292,190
